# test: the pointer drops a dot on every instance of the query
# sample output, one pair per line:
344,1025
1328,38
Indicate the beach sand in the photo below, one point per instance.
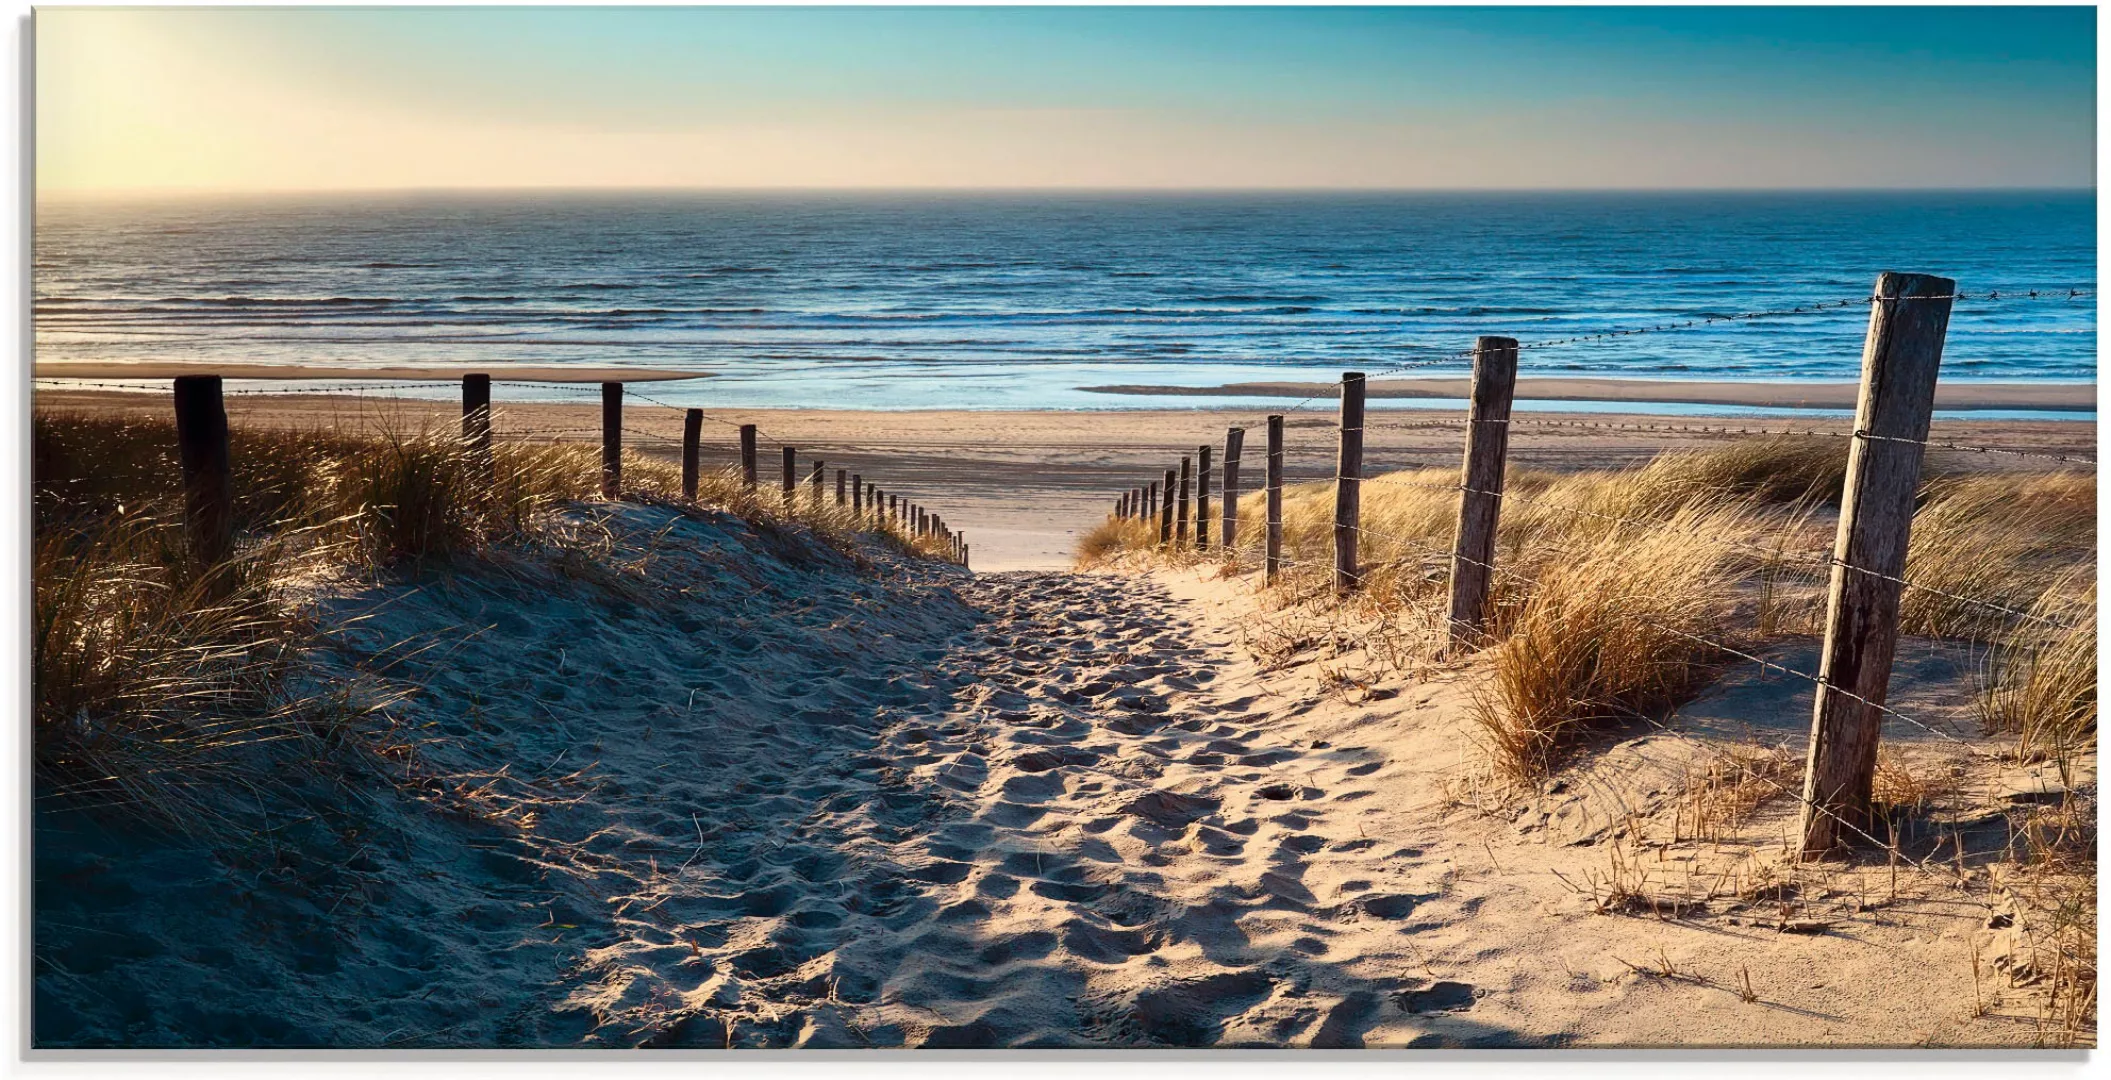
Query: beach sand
1024,485
2078,397
854,805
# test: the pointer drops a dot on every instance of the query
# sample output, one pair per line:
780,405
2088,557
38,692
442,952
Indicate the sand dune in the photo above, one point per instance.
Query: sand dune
715,787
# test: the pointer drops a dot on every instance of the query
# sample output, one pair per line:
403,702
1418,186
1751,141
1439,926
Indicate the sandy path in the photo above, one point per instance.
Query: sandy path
1018,862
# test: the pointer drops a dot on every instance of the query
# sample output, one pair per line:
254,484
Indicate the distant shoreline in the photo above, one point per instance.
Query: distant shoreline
169,369
2061,397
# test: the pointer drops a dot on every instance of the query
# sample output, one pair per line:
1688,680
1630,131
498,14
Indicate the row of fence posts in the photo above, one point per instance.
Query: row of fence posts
202,450
1901,356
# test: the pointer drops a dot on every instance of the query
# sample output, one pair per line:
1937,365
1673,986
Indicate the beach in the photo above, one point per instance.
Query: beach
1024,485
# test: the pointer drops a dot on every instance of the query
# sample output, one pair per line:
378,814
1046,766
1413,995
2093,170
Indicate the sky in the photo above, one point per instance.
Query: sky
290,99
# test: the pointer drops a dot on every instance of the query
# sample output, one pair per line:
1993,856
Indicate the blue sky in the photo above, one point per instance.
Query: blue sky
1066,97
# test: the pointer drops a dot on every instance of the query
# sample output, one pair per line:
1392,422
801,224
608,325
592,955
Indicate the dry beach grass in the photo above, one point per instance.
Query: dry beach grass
1625,595
566,772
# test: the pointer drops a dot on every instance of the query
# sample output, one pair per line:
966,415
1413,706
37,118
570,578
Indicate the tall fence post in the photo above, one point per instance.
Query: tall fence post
747,455
791,475
842,482
1187,479
1481,489
208,474
1150,501
814,480
1348,484
893,514
692,447
611,439
1272,550
857,496
1234,445
476,416
1165,510
1204,521
1900,359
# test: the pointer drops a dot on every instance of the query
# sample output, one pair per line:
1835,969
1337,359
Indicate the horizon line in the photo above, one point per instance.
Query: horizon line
603,189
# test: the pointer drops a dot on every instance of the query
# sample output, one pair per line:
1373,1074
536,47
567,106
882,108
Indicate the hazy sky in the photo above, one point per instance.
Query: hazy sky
288,98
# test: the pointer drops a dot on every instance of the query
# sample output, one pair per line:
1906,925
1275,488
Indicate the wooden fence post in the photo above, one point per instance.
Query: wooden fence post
1203,520
857,496
892,513
842,479
747,455
1900,359
814,480
1481,481
611,439
1348,484
1187,479
476,415
791,475
1150,501
1165,511
208,472
1234,445
1272,552
692,438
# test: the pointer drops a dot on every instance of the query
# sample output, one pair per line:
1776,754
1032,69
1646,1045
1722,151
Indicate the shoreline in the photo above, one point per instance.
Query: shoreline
2051,397
169,369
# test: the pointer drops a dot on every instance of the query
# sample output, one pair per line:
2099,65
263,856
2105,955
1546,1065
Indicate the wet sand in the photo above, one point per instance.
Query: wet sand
2076,397
98,369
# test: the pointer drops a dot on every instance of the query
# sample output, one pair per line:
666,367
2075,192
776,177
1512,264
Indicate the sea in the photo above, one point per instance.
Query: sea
1035,300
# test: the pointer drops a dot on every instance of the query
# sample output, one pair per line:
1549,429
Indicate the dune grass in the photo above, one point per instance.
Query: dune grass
1726,544
152,674
2041,683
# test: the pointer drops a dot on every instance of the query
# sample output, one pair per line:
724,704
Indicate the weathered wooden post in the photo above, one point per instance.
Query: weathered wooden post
814,480
1234,445
747,455
893,514
1150,501
857,496
476,415
1348,484
1900,358
1272,551
611,439
208,472
791,475
1165,511
1203,521
1187,479
1481,481
692,440
1136,503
